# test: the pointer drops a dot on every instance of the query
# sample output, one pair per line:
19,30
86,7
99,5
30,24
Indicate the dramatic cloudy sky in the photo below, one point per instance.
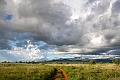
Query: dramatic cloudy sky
40,29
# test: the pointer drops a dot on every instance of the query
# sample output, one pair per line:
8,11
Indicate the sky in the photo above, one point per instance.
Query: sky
52,29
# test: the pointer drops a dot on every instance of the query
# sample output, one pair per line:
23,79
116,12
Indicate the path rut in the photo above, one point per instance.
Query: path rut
64,76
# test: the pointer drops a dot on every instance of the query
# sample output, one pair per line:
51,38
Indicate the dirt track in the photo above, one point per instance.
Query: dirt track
64,76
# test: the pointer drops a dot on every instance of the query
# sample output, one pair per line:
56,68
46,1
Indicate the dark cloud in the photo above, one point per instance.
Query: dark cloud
97,25
4,44
116,7
52,26
2,7
2,2
47,46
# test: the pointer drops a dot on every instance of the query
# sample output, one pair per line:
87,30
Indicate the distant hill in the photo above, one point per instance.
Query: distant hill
81,60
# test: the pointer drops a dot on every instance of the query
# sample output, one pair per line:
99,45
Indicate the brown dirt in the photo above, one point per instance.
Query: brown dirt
64,76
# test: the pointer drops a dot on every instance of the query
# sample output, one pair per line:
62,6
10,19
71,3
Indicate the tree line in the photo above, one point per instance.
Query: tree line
115,61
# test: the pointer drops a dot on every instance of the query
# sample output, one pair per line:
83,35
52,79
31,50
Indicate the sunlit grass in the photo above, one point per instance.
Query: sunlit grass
106,71
24,71
12,71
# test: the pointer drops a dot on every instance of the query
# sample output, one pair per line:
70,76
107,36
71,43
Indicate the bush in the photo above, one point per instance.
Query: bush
92,62
67,62
116,61
20,61
4,62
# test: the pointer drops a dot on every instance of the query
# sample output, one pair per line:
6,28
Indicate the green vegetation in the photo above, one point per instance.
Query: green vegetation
116,61
22,71
92,73
43,71
92,62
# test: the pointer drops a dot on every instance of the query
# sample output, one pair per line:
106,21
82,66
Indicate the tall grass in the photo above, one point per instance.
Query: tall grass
92,72
12,71
23,71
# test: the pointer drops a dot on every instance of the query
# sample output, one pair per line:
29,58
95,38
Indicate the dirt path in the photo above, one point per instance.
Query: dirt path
64,76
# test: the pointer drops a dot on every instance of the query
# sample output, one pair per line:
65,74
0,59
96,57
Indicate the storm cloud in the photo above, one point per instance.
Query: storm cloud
82,27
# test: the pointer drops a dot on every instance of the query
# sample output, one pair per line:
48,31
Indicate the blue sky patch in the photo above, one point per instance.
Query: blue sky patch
8,17
42,43
12,43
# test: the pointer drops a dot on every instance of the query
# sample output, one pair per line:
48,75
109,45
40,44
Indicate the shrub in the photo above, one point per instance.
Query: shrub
67,62
20,61
4,62
92,62
116,61
33,62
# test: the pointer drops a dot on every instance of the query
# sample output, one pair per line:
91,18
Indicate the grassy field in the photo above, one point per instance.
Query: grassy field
17,71
90,72
23,71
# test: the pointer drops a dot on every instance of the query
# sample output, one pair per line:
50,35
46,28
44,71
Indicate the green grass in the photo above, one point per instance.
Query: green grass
104,71
23,71
12,71
91,73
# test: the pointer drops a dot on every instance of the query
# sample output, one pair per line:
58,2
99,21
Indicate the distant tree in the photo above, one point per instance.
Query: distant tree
61,63
116,61
67,62
4,62
33,62
92,62
20,62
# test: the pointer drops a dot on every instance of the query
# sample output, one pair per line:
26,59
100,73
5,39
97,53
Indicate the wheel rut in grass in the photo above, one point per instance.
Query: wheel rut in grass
56,71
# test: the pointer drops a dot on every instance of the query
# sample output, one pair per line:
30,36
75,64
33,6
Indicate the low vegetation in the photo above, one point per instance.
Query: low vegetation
23,71
116,61
44,71
92,62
